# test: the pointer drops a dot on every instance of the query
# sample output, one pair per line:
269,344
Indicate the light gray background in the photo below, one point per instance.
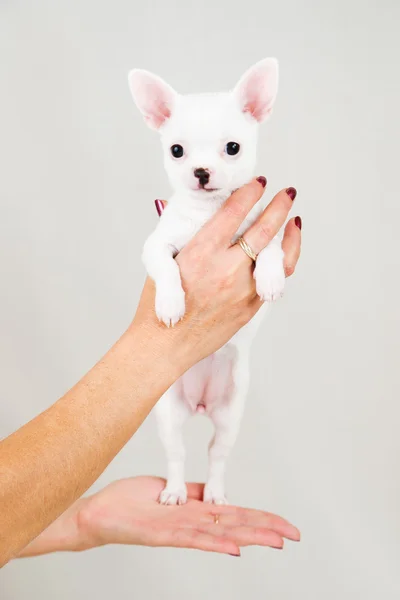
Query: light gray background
79,172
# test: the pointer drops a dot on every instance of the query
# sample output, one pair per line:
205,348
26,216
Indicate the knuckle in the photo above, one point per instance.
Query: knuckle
194,250
234,208
229,278
265,231
228,281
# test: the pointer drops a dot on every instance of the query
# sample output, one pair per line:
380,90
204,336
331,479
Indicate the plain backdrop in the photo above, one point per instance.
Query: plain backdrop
79,172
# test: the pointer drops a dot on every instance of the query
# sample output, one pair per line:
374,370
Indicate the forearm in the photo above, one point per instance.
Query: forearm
50,462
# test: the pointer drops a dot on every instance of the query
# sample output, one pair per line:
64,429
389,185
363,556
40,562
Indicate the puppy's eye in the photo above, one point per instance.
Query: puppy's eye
232,148
177,151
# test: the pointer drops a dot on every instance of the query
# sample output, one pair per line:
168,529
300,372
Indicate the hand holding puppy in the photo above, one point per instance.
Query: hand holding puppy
206,264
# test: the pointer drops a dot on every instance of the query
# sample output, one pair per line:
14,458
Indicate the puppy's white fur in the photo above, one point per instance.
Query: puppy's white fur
203,125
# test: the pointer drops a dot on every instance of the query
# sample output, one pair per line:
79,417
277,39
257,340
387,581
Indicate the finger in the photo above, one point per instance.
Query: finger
224,224
234,516
160,205
255,536
291,245
244,535
267,226
192,538
264,520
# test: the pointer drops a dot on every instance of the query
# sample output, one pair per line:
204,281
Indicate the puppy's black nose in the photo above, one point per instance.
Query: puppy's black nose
202,175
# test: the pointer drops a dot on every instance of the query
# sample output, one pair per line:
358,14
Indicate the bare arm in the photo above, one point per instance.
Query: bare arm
51,461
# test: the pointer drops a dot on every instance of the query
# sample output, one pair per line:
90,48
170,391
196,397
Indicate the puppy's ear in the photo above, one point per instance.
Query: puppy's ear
154,98
257,89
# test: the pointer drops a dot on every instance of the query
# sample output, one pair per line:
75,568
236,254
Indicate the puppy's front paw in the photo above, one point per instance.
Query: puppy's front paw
170,305
270,285
214,494
173,496
270,275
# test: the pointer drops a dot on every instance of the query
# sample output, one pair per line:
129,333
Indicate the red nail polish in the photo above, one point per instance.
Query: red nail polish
262,180
159,207
298,222
292,193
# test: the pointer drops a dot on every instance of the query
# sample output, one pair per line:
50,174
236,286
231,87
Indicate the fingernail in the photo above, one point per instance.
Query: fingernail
237,555
159,207
298,222
262,180
291,192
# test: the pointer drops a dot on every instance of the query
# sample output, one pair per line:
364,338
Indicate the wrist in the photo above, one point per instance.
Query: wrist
165,351
64,535
173,348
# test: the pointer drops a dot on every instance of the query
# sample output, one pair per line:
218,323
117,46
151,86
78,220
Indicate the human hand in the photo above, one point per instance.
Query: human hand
217,277
128,512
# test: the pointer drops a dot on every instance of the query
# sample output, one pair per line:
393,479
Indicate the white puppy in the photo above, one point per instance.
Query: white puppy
209,143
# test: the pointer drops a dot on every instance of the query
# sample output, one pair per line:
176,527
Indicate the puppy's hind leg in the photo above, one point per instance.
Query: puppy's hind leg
226,416
171,413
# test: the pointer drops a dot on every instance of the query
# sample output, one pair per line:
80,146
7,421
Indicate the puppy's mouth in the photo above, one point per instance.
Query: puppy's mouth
206,189
209,190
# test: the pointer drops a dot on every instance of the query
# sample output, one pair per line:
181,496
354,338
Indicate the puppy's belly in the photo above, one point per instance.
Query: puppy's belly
209,383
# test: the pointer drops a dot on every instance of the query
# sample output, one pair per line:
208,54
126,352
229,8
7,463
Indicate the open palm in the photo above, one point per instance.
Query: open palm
127,512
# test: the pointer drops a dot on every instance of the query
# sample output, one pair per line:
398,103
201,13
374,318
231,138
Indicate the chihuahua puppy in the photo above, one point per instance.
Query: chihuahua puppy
209,143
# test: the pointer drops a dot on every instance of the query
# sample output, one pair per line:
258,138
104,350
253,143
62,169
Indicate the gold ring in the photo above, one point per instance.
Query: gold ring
246,249
216,519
